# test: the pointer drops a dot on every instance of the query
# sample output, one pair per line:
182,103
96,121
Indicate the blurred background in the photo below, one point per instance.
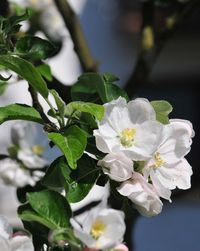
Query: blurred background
154,48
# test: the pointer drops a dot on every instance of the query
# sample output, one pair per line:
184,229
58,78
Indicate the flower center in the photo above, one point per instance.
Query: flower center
159,161
97,229
127,137
38,149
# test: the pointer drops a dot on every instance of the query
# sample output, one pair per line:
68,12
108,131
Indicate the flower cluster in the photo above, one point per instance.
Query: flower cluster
145,156
21,167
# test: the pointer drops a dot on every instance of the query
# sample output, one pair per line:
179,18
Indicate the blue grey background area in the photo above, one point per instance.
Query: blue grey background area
177,228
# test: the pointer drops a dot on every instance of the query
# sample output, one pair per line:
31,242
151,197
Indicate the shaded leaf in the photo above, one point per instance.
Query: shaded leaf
19,111
94,109
27,71
45,71
34,48
72,143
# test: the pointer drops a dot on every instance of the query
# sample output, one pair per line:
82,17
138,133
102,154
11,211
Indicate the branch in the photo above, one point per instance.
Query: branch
49,127
80,44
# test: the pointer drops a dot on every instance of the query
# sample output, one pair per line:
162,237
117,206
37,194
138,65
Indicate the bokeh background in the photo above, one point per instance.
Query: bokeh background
114,30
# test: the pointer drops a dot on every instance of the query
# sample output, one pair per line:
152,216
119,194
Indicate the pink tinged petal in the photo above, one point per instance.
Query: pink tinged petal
141,110
21,243
117,166
5,228
142,194
121,247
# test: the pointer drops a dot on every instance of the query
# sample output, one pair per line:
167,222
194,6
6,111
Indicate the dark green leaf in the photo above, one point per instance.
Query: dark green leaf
96,110
81,180
55,176
52,207
72,143
90,86
45,71
109,77
34,48
19,111
27,71
162,109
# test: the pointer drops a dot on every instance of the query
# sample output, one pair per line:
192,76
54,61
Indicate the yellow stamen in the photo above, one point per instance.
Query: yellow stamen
97,229
158,160
38,149
127,137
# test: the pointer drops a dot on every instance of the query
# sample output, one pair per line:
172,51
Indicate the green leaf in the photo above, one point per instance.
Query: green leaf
27,71
55,176
45,71
90,86
52,207
3,86
96,110
59,102
26,213
81,180
109,77
34,48
72,143
162,109
19,111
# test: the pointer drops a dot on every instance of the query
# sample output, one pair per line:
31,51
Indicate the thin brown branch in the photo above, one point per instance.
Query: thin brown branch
80,44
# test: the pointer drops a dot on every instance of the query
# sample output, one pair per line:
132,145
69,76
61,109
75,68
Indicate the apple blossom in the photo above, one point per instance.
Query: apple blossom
130,128
22,135
117,166
12,173
142,194
167,168
101,229
10,243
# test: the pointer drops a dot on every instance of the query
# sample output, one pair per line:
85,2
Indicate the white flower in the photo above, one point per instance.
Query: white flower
9,243
22,134
11,173
102,228
121,247
142,194
129,128
117,166
167,168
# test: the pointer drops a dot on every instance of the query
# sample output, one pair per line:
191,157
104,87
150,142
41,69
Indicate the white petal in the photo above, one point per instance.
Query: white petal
5,228
141,110
83,236
162,190
30,159
117,166
4,244
142,194
21,243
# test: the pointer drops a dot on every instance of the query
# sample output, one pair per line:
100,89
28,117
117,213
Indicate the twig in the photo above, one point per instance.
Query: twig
36,104
80,44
